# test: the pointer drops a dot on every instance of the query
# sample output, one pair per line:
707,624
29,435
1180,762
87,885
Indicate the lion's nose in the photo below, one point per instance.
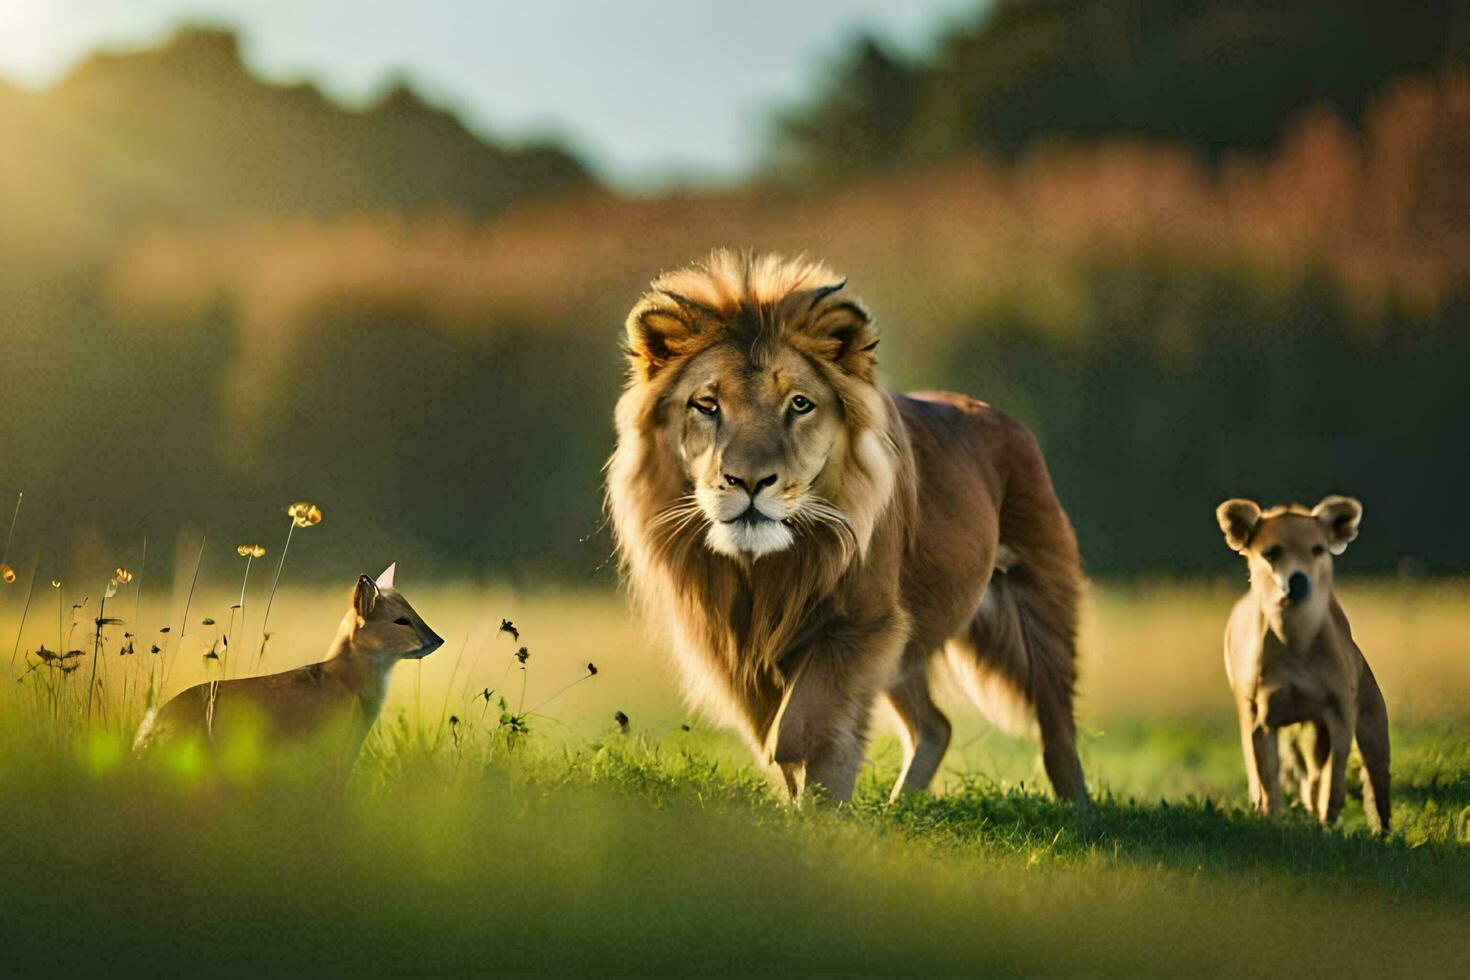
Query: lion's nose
751,487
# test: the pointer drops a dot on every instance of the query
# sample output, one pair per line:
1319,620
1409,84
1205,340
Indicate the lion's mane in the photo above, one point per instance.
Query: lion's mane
731,622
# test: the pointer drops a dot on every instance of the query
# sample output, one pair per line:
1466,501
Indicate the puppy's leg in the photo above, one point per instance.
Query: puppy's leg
1309,746
925,731
1258,744
1318,765
1373,747
1332,790
1248,749
1296,769
1268,764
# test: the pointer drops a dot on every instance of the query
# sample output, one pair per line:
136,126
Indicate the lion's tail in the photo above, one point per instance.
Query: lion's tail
1014,644
1017,659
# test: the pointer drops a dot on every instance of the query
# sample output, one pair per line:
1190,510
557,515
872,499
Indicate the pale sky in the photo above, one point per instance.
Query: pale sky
643,89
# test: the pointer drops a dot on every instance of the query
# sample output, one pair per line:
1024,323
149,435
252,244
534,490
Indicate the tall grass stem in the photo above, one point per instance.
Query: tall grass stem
137,622
184,625
270,599
5,552
96,645
35,567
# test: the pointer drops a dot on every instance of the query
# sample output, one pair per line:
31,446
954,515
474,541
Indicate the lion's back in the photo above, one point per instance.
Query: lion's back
963,447
983,485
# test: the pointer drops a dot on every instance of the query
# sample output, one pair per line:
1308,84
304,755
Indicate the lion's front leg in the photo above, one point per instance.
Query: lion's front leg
821,730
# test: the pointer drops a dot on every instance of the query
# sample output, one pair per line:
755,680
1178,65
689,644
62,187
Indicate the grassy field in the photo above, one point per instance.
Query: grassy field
584,847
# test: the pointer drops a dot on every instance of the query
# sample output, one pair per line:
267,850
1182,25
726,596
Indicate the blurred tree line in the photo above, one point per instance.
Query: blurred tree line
218,296
186,134
1216,75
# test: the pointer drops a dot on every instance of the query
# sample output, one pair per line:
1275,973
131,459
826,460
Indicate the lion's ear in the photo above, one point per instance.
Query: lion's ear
657,333
845,334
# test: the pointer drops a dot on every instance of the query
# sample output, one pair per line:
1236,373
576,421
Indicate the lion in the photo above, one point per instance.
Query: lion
810,541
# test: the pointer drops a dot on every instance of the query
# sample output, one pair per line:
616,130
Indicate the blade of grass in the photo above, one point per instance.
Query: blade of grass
270,599
35,566
5,551
184,625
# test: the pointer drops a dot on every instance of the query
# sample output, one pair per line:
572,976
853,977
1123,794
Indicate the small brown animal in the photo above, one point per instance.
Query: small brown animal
328,706
1291,659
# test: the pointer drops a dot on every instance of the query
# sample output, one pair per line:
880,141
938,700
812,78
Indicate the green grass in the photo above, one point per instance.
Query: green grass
637,854
580,849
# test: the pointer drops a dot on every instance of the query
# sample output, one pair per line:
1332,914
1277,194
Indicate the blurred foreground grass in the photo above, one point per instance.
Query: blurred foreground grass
582,848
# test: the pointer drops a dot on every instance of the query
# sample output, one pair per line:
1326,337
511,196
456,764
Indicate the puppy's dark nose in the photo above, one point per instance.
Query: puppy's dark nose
1298,587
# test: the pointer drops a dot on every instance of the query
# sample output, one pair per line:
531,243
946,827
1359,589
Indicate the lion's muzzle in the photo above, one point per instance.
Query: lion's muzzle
752,532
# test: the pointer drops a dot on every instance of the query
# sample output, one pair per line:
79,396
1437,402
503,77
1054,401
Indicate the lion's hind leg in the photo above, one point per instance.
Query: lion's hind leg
923,729
1016,662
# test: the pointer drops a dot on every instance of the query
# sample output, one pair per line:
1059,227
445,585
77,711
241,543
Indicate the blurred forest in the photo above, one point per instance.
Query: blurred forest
1204,251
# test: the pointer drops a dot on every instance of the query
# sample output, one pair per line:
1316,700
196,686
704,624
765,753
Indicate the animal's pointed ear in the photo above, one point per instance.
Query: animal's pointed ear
843,331
364,597
385,581
1340,517
659,329
1238,519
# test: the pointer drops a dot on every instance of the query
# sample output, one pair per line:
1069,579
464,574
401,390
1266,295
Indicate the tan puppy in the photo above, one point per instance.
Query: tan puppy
324,710
1291,659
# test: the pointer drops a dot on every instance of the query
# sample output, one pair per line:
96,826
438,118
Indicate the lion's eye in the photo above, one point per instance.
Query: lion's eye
1272,553
801,404
704,406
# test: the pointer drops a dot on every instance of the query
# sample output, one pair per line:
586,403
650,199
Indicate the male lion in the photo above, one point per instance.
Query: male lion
810,540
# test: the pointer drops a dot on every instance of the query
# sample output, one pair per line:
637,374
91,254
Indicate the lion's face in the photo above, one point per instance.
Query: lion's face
752,422
755,441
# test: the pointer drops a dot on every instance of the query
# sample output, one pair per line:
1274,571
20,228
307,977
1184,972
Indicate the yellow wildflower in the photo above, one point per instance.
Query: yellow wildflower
304,514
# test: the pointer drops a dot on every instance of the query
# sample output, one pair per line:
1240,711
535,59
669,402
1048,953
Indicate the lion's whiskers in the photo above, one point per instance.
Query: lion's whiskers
672,522
680,508
815,513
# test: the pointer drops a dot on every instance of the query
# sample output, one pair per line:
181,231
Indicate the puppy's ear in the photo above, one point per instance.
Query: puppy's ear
661,328
1238,519
1340,517
364,597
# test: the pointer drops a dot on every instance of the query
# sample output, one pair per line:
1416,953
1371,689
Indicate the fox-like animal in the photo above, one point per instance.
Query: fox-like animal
326,707
1291,659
